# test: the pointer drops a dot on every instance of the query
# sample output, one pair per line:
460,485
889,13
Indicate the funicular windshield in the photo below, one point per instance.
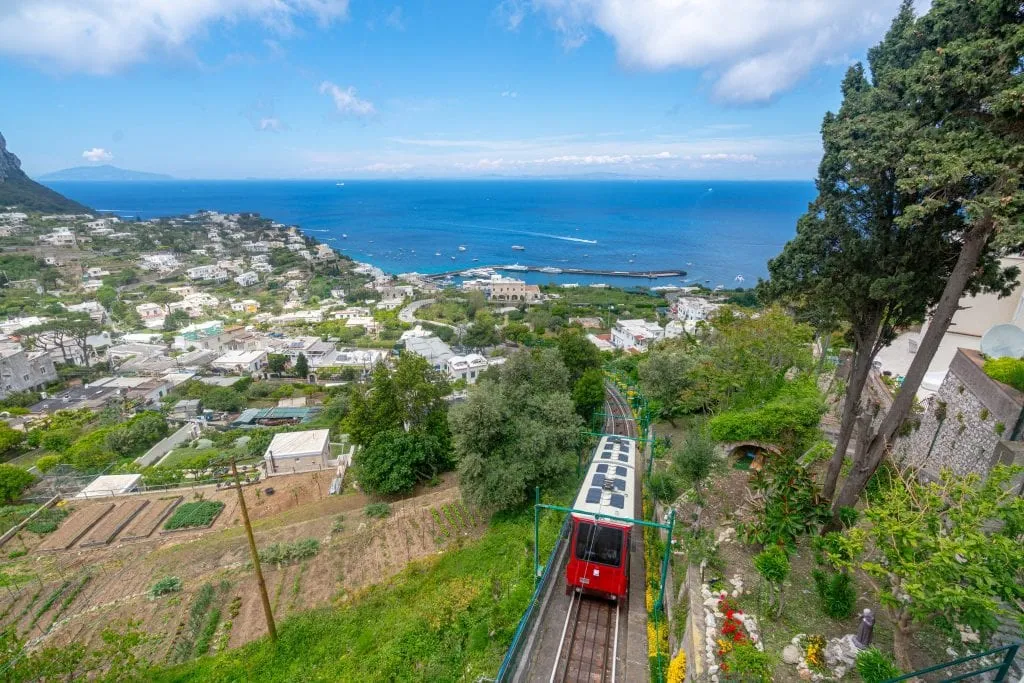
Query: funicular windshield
600,544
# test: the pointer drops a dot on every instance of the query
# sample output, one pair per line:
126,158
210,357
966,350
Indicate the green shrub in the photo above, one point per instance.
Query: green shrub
791,416
747,663
663,486
835,592
848,516
875,667
289,553
772,564
1006,370
14,554
168,584
377,510
198,514
47,521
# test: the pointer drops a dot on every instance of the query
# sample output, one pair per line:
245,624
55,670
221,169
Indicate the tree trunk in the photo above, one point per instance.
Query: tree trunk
865,465
862,360
901,642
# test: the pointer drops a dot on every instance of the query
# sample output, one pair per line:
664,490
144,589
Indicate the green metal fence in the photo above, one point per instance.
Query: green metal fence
1002,669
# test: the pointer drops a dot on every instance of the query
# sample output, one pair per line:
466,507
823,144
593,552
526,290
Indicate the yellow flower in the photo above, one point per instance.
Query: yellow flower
677,669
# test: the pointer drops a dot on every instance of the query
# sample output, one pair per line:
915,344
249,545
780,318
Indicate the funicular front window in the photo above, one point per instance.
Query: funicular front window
599,544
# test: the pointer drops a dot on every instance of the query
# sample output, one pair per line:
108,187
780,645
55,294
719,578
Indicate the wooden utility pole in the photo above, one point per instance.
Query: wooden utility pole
267,612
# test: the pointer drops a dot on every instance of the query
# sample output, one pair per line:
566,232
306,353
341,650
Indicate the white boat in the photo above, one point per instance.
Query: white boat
518,247
453,258
550,269
476,259
516,267
340,184
599,285
437,253
462,247
344,235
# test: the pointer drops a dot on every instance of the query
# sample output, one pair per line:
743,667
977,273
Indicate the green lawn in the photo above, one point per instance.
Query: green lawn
446,619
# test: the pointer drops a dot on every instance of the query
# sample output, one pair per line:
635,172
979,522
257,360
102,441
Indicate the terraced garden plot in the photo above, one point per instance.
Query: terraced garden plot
108,527
75,527
150,518
198,515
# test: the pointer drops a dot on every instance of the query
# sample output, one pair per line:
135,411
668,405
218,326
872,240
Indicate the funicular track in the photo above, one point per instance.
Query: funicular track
588,649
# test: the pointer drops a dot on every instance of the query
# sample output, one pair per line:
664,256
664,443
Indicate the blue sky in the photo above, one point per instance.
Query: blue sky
428,88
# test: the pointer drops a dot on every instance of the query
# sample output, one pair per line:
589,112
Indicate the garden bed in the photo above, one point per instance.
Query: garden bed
150,518
77,526
104,532
189,516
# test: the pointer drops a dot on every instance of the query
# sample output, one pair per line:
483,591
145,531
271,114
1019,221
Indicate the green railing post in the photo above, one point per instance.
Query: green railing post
536,537
664,560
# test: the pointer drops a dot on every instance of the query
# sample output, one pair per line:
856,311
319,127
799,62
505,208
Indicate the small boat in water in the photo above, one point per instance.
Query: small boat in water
462,247
518,247
516,267
344,235
551,269
437,253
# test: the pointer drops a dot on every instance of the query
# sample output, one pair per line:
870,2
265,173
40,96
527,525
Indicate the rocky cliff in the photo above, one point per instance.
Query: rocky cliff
19,191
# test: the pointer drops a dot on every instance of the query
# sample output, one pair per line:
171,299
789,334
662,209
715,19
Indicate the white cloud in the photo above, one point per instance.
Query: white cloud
103,36
271,123
97,154
396,19
345,100
510,93
719,156
752,49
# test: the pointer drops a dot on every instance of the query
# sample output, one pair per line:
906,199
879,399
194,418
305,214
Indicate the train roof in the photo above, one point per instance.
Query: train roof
609,486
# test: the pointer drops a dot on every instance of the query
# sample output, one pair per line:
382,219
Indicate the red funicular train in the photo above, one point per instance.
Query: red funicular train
599,554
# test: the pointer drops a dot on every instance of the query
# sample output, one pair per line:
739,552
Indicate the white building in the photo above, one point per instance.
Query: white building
691,310
636,335
467,367
245,306
60,237
293,452
151,311
194,304
430,347
241,362
93,309
21,370
210,272
248,279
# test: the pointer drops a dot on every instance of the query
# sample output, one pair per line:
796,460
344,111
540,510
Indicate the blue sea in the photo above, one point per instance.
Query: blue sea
720,233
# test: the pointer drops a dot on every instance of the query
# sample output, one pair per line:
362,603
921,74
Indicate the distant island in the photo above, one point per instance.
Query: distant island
20,192
105,172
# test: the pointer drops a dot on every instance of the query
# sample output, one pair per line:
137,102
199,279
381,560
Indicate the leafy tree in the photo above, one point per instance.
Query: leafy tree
518,333
276,362
106,296
176,320
223,398
301,366
578,354
695,459
951,548
481,333
67,331
163,296
588,393
13,481
395,460
953,79
516,432
408,400
860,255
59,440
772,564
664,374
9,438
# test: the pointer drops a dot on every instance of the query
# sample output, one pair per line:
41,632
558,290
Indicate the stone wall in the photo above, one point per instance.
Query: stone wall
963,425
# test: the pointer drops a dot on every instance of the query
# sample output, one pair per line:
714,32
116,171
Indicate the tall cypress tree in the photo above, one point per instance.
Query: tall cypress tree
955,79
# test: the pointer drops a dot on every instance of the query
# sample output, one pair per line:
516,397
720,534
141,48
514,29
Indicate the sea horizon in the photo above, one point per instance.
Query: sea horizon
720,232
